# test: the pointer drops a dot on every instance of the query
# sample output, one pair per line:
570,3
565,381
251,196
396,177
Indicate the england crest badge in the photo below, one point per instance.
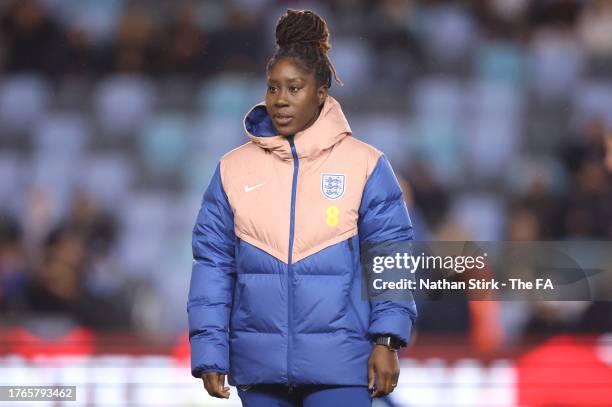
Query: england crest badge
332,185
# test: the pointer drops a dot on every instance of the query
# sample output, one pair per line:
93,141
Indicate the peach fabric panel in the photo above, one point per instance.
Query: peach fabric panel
313,230
257,178
258,187
329,129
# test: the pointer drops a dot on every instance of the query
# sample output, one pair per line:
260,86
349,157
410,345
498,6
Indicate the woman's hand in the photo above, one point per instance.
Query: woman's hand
383,370
214,384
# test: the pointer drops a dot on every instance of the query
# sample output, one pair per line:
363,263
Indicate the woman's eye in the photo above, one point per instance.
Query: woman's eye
294,89
271,89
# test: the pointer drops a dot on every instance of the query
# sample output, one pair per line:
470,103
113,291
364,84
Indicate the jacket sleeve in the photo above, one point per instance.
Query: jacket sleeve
212,282
383,218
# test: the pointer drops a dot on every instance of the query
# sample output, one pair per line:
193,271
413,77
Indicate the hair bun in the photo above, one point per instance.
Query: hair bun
302,27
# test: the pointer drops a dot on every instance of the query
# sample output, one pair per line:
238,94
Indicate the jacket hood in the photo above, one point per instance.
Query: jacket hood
330,127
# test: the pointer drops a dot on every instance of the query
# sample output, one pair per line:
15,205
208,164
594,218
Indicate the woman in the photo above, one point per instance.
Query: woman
275,297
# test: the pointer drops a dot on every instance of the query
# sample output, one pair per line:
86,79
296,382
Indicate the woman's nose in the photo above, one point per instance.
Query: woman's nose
281,98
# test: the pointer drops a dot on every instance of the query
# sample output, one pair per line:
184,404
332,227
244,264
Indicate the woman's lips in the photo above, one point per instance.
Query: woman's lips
282,120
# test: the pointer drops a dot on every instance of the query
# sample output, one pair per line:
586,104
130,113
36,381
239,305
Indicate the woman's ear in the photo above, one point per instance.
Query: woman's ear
322,95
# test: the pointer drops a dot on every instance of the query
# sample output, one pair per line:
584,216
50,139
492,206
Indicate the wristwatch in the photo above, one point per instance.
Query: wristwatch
389,341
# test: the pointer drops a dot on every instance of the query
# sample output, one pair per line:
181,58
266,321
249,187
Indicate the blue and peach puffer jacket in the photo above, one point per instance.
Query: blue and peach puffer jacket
275,292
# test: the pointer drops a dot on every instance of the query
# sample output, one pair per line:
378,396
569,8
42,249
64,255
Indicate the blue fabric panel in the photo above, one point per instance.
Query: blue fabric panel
383,217
258,358
259,123
258,336
212,281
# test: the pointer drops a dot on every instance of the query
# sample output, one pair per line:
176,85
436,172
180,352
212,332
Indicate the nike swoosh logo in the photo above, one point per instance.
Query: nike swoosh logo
249,189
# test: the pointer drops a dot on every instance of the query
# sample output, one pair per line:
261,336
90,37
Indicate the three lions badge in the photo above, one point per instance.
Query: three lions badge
332,185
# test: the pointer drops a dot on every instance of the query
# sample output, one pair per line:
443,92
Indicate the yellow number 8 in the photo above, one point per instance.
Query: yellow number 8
332,216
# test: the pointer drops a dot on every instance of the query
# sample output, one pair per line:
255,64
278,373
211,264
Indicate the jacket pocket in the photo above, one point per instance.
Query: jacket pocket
237,249
353,312
237,294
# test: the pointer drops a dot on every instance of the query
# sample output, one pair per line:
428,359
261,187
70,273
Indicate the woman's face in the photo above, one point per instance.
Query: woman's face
293,99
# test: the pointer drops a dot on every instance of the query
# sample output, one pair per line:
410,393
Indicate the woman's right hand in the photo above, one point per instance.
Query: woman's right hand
214,383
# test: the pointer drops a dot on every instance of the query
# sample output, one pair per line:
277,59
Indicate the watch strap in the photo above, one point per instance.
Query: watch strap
389,341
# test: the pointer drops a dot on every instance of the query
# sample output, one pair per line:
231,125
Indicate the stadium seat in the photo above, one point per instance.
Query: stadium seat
164,143
500,62
593,100
347,54
197,171
145,210
386,132
488,98
142,235
556,65
123,103
439,142
63,134
491,145
210,138
230,96
449,31
481,215
138,253
107,177
98,18
437,97
23,100
217,135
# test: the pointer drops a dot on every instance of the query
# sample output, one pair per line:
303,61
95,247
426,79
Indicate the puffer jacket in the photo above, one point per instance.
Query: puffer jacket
275,292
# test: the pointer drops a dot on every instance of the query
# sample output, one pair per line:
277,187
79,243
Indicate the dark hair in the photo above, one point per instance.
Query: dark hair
303,35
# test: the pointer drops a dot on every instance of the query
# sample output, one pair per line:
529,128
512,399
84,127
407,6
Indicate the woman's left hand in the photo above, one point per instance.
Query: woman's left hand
383,370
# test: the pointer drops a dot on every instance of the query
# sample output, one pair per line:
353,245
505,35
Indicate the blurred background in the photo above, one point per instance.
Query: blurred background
496,114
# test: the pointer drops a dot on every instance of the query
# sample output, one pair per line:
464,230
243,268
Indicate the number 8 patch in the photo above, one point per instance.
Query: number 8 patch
332,213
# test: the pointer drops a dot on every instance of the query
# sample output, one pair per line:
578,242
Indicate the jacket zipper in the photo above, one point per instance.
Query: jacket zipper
296,166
